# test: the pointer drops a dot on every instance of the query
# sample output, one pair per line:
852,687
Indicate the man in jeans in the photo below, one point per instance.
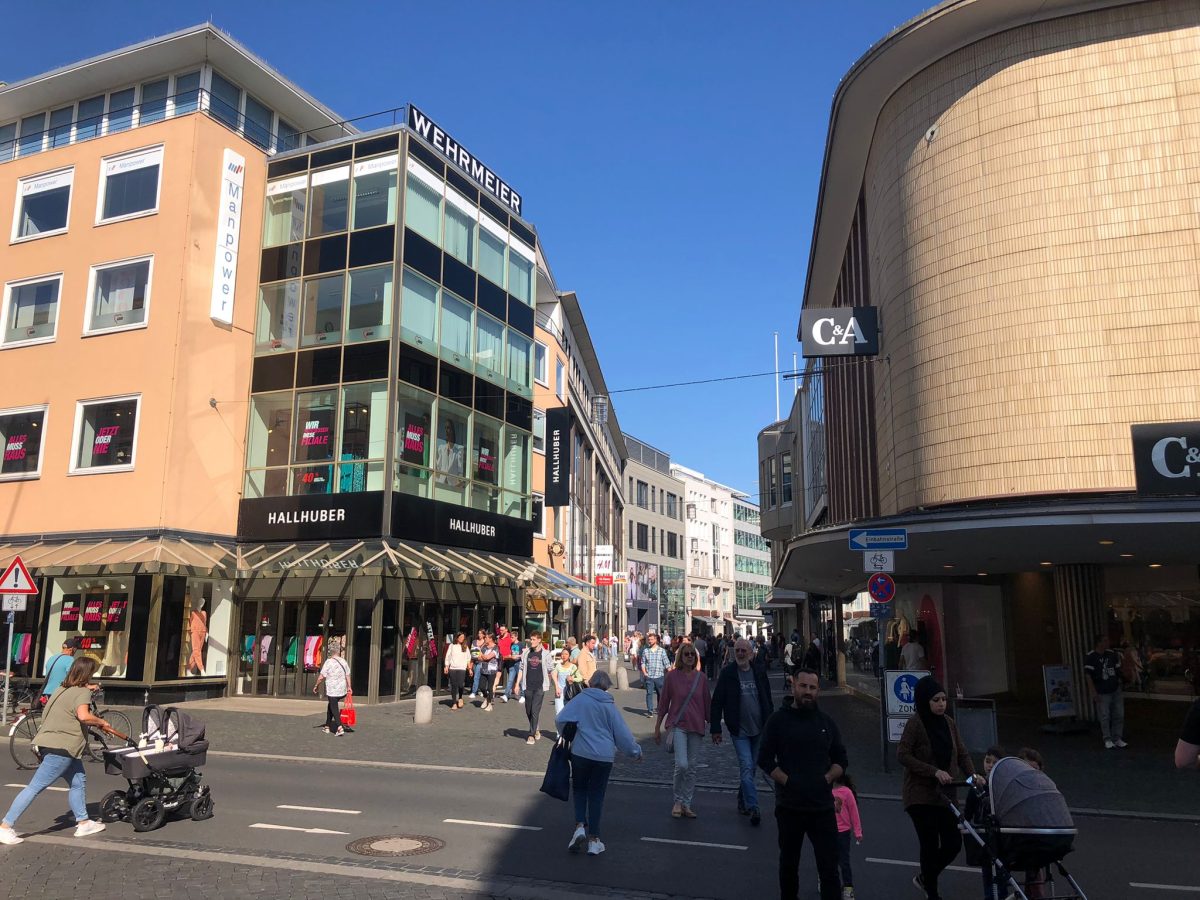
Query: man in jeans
654,670
1103,668
508,660
743,695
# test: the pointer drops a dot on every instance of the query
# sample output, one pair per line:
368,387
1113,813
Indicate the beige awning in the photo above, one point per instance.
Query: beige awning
125,556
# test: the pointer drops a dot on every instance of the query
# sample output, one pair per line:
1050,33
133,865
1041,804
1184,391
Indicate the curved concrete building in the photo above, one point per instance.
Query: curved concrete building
1015,186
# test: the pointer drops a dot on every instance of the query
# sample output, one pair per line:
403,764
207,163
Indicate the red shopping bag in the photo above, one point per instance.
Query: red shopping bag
349,713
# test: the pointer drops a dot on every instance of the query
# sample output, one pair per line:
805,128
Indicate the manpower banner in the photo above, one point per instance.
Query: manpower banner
558,456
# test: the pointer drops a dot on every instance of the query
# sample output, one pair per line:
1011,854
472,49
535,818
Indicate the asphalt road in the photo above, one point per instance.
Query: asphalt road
263,829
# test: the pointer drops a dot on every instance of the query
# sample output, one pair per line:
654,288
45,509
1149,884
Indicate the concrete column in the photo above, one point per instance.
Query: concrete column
1079,597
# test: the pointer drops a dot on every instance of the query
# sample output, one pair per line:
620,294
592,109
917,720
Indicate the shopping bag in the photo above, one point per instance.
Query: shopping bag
557,782
349,713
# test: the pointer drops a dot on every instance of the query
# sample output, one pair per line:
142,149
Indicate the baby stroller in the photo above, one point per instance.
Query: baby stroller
160,780
1025,825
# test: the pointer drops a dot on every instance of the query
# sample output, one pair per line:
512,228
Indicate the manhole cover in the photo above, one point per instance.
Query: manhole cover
396,845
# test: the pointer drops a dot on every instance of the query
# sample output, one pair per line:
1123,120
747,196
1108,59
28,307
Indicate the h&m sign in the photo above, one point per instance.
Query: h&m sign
1166,458
845,331
463,158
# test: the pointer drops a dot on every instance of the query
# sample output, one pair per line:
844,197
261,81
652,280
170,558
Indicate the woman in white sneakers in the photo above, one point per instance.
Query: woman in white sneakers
335,672
458,663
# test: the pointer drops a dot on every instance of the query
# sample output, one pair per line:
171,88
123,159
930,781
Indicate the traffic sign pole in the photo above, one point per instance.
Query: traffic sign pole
7,669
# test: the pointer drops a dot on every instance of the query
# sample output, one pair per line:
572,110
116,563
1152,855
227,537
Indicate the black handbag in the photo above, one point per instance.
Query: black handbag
557,781
573,690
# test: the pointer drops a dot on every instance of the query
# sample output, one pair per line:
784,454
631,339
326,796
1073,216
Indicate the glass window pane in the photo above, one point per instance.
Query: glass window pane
278,317
91,118
329,201
120,295
8,141
32,310
450,461
539,431
460,233
489,347
516,473
154,102
43,210
418,311
456,330
485,457
266,483
270,433
520,276
287,137
21,438
491,257
322,321
131,184
539,362
369,312
33,134
225,103
519,362
375,192
258,123
283,221
106,434
364,436
60,126
316,419
187,93
423,206
120,110
312,480
414,416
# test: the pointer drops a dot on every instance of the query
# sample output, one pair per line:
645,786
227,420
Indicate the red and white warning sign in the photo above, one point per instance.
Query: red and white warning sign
16,579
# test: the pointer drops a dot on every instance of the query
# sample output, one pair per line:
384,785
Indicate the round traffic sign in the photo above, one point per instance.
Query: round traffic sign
881,587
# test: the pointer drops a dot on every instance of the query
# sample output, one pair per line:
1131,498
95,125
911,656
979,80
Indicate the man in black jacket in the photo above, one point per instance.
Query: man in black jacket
802,752
744,696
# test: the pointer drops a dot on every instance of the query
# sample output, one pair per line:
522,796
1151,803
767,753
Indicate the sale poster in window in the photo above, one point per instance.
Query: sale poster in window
68,618
415,449
93,614
115,614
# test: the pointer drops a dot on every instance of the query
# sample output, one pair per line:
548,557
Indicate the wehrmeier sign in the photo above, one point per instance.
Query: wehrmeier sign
463,158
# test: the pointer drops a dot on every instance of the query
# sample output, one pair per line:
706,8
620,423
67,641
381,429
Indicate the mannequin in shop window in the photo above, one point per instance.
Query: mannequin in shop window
198,633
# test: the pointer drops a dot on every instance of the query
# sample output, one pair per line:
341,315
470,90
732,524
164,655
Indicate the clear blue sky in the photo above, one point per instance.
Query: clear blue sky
668,152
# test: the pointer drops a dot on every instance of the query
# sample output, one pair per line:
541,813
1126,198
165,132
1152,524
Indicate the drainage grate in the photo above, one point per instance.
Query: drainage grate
396,845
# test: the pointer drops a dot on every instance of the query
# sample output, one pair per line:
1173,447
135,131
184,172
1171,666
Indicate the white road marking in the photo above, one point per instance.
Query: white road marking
1147,886
63,789
916,865
493,825
294,828
342,812
696,844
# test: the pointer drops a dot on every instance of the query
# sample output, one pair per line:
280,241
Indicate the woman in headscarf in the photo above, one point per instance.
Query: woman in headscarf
930,752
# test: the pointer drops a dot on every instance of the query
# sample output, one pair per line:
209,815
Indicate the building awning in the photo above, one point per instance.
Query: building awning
125,555
782,598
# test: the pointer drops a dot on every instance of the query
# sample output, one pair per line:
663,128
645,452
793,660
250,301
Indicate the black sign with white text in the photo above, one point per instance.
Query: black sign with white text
845,331
558,456
1166,459
435,522
464,159
311,517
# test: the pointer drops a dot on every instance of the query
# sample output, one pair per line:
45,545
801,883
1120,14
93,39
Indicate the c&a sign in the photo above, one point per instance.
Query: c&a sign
1166,458
845,331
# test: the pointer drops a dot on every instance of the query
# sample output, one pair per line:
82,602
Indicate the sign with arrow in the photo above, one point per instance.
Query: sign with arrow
17,580
878,538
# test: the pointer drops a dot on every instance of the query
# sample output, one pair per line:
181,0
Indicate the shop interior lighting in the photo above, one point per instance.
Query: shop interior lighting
1156,565
1126,556
948,566
1106,542
981,574
1047,563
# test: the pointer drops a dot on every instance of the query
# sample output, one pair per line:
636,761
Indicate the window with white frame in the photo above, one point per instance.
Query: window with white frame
31,309
43,202
539,528
539,431
119,295
560,380
21,433
105,434
129,185
540,373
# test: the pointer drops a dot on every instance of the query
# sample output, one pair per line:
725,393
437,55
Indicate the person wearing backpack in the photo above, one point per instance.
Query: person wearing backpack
335,672
58,666
685,704
534,675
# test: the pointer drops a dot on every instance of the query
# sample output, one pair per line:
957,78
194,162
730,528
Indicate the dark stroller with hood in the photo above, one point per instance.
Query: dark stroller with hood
1026,826
162,771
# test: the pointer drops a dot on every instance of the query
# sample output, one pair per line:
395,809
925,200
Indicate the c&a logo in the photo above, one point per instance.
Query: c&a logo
1166,458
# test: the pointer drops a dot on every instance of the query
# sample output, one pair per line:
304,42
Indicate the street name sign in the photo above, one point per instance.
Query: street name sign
878,538
879,561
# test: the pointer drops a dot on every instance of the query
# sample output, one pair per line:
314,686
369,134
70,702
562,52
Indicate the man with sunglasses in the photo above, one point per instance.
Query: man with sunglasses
743,696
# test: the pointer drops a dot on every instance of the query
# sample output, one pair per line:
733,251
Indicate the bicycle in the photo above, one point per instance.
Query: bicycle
25,728
20,696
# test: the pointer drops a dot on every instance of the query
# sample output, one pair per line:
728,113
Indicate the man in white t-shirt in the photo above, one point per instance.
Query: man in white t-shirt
913,655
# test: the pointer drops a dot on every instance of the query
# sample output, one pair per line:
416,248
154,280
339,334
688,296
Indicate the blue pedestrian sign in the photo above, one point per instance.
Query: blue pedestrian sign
878,538
900,689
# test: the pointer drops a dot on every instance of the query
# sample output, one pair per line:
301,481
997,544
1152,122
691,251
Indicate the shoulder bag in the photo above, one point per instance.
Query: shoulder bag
557,781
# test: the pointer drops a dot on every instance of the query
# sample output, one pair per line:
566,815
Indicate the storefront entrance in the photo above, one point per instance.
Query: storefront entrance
284,642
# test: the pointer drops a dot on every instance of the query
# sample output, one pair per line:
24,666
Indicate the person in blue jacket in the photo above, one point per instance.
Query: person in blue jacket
600,732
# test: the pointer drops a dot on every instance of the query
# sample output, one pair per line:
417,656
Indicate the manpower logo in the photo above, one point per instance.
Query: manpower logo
229,230
235,168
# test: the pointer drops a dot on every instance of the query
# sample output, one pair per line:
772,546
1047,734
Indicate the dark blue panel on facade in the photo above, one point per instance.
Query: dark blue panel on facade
325,255
494,209
365,362
463,185
321,366
522,232
417,367
489,398
519,412
435,522
520,316
289,166
279,263
314,517
273,373
377,145
374,246
428,157
458,278
456,385
492,299
422,255
333,155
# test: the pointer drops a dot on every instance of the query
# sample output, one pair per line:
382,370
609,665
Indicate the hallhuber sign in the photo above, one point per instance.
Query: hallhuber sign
1166,458
845,331
558,456
463,158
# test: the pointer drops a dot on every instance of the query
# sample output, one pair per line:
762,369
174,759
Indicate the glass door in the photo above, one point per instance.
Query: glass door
267,651
309,659
413,647
360,655
391,648
247,644
291,649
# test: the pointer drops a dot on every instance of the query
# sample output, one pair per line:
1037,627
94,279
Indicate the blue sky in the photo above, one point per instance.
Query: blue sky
668,152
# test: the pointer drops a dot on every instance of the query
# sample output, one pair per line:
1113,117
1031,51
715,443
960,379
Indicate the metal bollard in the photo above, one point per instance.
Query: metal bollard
622,679
424,713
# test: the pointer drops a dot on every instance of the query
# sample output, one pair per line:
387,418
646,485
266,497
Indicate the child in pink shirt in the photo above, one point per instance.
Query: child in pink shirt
845,801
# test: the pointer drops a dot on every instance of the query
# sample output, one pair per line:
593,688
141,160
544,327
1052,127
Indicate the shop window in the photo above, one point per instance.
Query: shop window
154,102
520,368
322,318
456,330
187,93
268,440
277,325
454,434
21,433
31,310
539,431
105,434
97,610
423,202
316,421
375,192
489,347
120,111
485,493
42,205
90,121
414,418
540,373
364,437
193,628
516,473
119,295
418,311
329,201
520,271
225,101
461,215
258,123
369,304
130,185
283,220
266,483
492,239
